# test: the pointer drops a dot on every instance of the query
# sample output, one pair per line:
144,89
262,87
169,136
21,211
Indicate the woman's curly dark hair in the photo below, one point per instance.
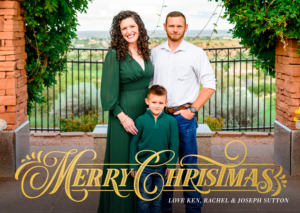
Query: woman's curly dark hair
120,44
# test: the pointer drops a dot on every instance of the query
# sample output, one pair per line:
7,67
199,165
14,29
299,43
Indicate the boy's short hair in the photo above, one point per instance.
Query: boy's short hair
157,90
175,14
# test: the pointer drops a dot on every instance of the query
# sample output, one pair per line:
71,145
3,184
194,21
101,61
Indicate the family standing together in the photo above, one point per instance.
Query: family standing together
156,119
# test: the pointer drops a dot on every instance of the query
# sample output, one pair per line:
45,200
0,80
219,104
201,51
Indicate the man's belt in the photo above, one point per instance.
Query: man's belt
173,109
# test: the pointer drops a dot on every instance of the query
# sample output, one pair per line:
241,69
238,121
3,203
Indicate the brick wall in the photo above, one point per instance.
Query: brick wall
287,73
13,88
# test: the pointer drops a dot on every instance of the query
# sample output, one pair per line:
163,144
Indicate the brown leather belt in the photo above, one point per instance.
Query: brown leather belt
173,109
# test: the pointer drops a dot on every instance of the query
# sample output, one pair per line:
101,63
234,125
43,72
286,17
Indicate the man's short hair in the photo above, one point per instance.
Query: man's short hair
157,90
175,14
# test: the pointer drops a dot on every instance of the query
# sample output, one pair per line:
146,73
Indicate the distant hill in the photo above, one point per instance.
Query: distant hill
157,34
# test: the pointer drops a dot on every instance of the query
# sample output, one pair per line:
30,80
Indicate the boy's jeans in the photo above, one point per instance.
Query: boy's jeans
152,181
187,145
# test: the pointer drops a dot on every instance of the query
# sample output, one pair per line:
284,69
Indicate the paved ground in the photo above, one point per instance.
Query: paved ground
12,199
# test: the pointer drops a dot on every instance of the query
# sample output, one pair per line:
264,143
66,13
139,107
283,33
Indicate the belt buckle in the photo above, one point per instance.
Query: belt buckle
167,109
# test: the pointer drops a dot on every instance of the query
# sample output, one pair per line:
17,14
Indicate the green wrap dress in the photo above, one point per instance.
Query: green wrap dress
124,87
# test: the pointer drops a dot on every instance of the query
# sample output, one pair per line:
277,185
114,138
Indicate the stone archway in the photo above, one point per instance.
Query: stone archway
14,140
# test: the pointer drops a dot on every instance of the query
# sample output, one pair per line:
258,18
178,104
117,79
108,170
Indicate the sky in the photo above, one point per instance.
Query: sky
100,13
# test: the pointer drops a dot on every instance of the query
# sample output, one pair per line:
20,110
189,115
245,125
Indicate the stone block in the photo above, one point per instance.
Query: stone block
18,90
291,95
292,87
292,70
283,76
8,11
276,73
14,147
280,118
2,74
291,111
14,42
280,97
291,124
7,100
278,68
16,107
256,134
279,48
292,44
279,112
290,60
280,91
293,101
1,23
279,83
7,35
2,109
12,25
21,56
229,134
287,148
9,4
293,78
282,106
204,135
12,126
7,66
21,81
45,134
71,134
8,117
19,35
13,74
21,64
7,48
293,55
24,118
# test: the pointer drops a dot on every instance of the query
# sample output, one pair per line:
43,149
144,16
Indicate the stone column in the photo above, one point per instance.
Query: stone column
287,73
286,136
13,88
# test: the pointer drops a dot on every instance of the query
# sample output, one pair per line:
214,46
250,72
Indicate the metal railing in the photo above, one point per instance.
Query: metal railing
244,97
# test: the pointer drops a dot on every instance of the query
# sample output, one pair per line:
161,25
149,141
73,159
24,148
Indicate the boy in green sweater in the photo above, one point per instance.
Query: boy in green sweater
157,131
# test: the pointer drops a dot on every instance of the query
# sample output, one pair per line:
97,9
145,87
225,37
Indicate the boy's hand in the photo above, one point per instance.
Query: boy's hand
167,173
133,173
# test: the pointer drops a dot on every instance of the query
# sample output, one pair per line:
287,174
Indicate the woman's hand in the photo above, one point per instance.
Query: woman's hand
133,173
167,173
127,123
129,126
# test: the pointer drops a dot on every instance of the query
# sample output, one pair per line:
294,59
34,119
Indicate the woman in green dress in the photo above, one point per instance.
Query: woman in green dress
126,74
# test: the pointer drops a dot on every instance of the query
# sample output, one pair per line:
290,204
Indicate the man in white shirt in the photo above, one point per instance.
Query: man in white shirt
181,67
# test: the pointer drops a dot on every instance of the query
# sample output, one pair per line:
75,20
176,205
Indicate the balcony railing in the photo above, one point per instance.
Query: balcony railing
244,98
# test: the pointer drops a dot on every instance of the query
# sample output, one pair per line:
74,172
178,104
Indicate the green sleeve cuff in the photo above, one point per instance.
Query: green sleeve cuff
171,166
134,167
117,110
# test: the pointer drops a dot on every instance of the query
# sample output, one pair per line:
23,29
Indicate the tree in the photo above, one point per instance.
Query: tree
50,27
259,23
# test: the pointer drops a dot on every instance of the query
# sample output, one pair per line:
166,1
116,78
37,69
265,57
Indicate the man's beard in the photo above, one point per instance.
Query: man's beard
173,38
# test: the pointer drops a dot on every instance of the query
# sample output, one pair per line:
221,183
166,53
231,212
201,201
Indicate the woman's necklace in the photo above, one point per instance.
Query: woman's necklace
133,52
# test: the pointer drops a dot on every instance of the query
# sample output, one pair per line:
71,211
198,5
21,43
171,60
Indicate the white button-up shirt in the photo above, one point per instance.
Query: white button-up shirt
181,72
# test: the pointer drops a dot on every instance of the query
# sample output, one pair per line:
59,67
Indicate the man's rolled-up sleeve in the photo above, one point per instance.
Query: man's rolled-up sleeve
205,73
